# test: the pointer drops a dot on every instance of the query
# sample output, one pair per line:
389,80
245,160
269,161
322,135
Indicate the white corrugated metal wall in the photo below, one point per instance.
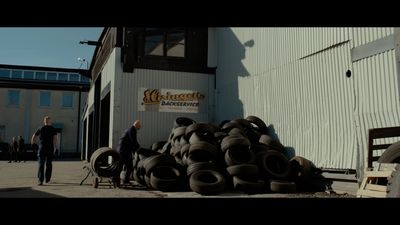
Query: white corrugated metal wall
310,101
156,125
377,98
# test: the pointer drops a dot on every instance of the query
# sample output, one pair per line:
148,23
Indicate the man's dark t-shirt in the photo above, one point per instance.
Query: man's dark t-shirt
128,141
46,134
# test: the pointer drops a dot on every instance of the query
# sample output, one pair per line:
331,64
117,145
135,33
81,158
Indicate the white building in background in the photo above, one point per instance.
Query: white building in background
28,93
320,89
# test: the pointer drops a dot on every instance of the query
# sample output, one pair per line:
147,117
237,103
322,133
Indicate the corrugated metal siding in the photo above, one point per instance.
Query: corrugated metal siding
244,52
378,101
363,35
310,102
156,126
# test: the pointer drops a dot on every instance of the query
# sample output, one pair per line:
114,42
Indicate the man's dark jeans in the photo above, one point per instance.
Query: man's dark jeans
126,159
45,158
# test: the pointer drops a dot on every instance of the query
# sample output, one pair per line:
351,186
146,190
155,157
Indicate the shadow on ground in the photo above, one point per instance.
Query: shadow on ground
25,192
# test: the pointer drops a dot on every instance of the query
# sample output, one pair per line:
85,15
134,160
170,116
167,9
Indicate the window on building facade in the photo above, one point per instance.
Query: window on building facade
13,97
74,77
16,74
28,75
45,98
67,99
40,75
4,73
63,76
165,42
51,76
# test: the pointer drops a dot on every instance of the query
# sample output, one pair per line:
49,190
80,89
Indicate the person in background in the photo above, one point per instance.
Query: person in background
47,144
13,149
127,145
21,148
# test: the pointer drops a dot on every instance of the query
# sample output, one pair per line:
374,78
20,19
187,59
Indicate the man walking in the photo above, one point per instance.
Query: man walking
127,145
47,141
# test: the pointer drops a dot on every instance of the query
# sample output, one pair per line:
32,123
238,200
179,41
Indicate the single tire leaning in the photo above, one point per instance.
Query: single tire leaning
391,154
207,182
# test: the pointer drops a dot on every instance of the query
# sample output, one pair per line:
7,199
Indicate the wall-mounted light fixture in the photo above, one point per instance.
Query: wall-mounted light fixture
95,43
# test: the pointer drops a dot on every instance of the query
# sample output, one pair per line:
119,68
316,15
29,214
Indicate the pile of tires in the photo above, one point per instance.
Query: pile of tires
237,155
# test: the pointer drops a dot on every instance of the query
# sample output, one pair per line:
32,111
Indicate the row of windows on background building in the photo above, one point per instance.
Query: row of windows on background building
44,98
40,75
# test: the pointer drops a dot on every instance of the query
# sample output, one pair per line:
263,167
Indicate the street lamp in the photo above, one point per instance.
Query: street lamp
83,60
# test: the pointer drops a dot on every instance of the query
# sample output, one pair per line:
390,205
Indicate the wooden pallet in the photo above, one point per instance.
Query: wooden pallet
383,182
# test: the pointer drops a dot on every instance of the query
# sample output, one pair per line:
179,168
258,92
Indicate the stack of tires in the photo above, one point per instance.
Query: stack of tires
239,154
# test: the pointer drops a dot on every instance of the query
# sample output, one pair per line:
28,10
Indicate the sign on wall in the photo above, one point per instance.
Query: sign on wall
169,100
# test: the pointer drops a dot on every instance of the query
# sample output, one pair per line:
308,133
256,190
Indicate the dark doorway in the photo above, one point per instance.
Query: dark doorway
104,120
90,136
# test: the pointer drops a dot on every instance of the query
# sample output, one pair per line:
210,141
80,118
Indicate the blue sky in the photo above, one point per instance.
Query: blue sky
49,47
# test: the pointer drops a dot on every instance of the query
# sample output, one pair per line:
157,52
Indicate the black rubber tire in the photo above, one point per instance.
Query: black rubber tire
200,128
243,170
230,141
230,125
183,141
253,135
135,175
99,162
391,154
185,150
237,131
195,138
275,165
212,149
271,143
239,155
243,122
158,160
280,186
256,148
144,153
183,122
165,178
199,156
158,145
249,185
192,168
258,122
95,182
166,148
302,169
207,182
223,122
147,181
178,132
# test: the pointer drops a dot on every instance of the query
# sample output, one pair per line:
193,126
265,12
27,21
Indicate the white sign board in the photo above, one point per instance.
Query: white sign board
169,100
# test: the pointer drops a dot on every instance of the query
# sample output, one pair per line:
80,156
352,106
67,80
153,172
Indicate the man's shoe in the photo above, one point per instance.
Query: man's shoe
40,183
9,161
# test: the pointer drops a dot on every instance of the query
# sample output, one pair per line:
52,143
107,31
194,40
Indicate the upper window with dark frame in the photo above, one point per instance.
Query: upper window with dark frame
165,42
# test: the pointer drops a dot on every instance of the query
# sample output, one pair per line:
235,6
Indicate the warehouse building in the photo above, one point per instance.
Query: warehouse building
319,89
28,93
